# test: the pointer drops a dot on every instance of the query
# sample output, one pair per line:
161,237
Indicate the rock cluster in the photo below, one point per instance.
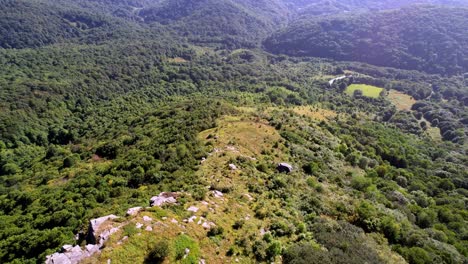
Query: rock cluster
96,238
163,198
99,232
72,254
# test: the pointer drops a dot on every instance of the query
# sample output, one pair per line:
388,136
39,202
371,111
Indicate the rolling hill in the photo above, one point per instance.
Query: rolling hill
229,23
30,24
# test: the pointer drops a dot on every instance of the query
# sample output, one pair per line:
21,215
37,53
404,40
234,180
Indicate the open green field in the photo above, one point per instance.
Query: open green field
367,90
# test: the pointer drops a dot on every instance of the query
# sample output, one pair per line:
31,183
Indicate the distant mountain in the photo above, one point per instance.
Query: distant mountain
431,39
29,24
320,7
231,23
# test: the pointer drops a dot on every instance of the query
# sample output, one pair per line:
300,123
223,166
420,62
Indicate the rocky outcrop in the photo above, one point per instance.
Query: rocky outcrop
98,234
284,168
193,209
72,255
95,226
217,194
163,198
134,211
99,231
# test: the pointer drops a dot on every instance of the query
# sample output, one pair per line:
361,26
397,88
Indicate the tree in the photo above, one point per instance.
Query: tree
417,255
361,183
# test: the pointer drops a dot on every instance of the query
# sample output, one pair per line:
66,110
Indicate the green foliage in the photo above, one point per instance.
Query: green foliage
361,183
215,231
365,34
158,253
273,250
343,242
417,255
9,168
259,249
130,230
183,242
110,115
69,162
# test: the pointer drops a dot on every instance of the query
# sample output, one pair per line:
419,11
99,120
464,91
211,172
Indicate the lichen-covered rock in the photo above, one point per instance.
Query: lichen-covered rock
72,255
163,198
217,194
134,211
284,168
193,209
104,236
208,225
94,228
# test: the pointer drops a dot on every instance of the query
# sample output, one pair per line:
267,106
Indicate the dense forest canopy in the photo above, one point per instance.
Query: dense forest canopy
430,39
107,103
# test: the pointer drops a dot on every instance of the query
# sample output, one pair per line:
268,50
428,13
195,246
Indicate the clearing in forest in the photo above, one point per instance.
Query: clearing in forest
367,90
315,112
177,60
401,100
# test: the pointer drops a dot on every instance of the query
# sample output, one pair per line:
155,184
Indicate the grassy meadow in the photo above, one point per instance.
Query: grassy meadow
367,90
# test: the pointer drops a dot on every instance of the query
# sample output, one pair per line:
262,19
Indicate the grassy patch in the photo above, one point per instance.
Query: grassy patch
177,60
182,243
315,112
367,90
401,100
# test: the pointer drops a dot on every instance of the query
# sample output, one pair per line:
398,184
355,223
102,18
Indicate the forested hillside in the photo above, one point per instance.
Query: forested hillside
340,6
429,39
105,104
30,24
226,23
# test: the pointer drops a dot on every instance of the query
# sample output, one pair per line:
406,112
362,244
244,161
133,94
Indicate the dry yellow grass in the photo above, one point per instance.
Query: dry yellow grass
315,113
246,137
177,60
401,100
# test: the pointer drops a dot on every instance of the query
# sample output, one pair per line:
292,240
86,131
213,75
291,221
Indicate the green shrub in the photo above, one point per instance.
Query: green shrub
130,230
391,229
273,250
69,162
215,231
9,169
158,253
360,183
259,250
238,224
417,255
262,167
311,168
199,193
426,218
183,242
